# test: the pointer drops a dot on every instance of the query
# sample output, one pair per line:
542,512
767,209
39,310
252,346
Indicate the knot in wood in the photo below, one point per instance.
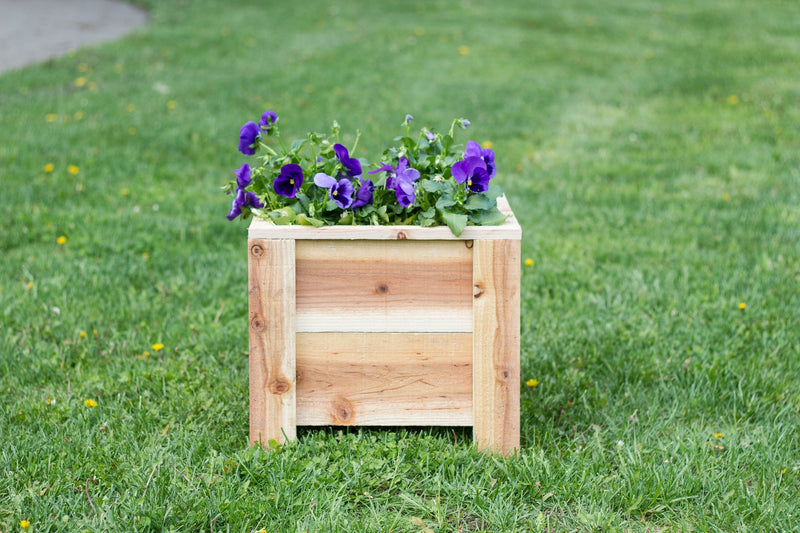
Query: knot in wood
469,244
342,411
257,323
477,291
279,386
401,235
382,288
257,250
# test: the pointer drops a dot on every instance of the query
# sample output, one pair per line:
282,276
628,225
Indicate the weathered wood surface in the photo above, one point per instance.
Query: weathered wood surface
263,229
272,340
421,286
384,379
496,345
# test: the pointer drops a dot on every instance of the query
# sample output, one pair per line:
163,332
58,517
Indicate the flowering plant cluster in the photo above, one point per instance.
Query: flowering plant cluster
425,181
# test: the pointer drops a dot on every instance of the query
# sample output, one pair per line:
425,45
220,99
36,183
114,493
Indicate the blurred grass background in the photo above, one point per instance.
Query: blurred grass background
650,151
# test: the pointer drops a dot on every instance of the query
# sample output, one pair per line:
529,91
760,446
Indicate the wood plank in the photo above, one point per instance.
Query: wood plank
272,340
496,345
263,229
384,379
422,286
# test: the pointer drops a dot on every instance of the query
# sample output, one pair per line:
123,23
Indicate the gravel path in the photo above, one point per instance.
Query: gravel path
32,31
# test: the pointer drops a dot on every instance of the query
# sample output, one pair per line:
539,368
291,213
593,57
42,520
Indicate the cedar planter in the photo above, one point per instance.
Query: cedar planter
385,326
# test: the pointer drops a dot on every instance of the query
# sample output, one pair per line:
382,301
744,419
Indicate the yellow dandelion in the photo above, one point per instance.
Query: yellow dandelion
130,108
144,356
80,82
262,531
50,401
61,240
532,383
157,346
172,104
145,256
73,169
24,524
132,130
717,435
487,144
83,334
726,197
463,50
733,99
83,67
529,262
742,306
124,192
30,284
92,86
50,117
79,115
48,167
90,403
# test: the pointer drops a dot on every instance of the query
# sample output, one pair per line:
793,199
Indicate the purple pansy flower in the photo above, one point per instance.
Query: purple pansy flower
243,199
401,179
268,119
350,164
247,138
474,149
243,176
364,194
472,170
409,118
289,180
430,136
341,191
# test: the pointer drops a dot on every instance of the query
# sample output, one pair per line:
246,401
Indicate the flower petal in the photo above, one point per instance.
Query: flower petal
323,180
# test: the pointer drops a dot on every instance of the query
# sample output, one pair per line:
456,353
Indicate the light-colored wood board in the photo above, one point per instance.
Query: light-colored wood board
496,345
384,379
350,286
272,340
263,229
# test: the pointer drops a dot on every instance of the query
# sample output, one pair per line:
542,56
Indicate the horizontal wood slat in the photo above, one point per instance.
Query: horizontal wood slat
263,229
350,286
384,379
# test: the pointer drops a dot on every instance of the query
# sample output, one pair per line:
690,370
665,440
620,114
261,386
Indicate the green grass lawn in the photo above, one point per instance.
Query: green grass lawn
651,152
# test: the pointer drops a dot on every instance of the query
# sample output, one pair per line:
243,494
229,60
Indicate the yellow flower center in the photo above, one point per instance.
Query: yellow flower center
291,182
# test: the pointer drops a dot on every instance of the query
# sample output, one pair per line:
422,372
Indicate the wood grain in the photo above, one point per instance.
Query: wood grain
349,286
496,345
384,379
272,340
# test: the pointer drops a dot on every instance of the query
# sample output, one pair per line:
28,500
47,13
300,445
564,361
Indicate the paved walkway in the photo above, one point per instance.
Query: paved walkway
32,31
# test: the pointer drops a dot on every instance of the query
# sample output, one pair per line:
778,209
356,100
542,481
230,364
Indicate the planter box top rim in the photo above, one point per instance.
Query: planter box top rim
509,230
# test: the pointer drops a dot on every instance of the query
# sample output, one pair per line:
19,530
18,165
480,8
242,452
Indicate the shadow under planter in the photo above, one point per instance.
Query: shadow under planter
385,326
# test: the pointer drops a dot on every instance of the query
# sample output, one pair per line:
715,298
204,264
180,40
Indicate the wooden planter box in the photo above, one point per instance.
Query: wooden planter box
385,326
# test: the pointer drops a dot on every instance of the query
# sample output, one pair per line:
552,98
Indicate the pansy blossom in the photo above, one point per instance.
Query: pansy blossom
289,181
474,149
471,171
401,179
341,191
268,120
248,136
351,165
364,194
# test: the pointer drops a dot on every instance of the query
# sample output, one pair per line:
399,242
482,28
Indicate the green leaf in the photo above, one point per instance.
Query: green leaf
455,221
479,202
282,216
305,220
445,201
434,186
490,217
